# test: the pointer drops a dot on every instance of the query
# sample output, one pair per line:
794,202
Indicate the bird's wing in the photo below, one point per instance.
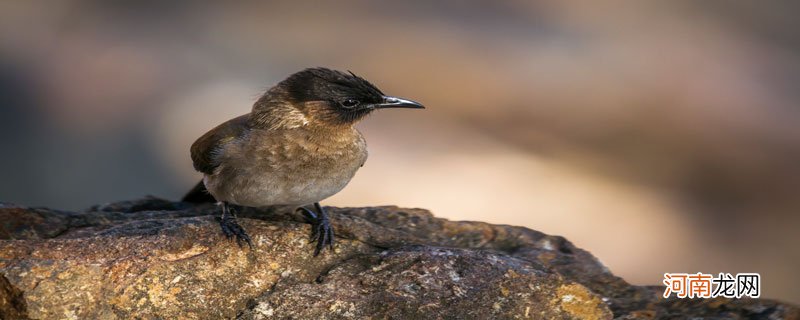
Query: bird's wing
204,150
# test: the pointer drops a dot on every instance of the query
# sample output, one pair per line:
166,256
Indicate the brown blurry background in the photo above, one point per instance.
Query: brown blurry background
662,137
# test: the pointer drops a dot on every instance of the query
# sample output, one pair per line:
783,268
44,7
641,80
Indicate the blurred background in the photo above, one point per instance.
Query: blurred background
660,136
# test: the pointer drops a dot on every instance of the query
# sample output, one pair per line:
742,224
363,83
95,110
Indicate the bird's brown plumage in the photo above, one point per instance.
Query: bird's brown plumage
291,165
297,146
207,146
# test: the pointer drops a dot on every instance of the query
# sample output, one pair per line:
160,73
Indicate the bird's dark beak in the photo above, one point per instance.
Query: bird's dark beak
395,102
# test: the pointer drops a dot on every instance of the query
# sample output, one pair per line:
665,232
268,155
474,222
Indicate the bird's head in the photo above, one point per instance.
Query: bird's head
332,97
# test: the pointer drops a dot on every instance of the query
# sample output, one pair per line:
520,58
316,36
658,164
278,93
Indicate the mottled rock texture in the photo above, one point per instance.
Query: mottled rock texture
156,259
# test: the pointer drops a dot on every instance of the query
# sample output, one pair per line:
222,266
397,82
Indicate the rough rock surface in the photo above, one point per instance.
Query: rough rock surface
154,259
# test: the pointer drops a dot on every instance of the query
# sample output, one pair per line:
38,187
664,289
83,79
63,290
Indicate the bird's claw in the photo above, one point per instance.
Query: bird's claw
321,229
231,229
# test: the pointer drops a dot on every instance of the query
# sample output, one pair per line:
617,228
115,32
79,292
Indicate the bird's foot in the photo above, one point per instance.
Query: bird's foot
231,229
321,229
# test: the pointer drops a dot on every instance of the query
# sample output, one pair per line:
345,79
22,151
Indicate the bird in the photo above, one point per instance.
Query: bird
297,147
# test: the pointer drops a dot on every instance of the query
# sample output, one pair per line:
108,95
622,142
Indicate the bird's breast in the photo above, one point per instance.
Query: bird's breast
289,168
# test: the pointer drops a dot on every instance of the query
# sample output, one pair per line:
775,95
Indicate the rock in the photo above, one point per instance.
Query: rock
427,282
153,258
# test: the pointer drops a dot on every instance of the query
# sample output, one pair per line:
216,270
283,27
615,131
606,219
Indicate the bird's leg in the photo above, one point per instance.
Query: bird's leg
321,229
232,228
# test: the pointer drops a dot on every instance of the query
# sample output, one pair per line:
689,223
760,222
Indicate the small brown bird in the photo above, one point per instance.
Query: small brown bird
297,146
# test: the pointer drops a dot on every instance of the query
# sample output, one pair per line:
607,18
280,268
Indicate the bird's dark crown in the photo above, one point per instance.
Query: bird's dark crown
326,96
322,84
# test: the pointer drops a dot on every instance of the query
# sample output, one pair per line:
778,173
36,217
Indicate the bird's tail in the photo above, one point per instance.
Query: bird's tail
199,194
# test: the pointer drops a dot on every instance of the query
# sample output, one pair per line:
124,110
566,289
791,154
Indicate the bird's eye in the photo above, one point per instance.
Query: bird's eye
349,103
